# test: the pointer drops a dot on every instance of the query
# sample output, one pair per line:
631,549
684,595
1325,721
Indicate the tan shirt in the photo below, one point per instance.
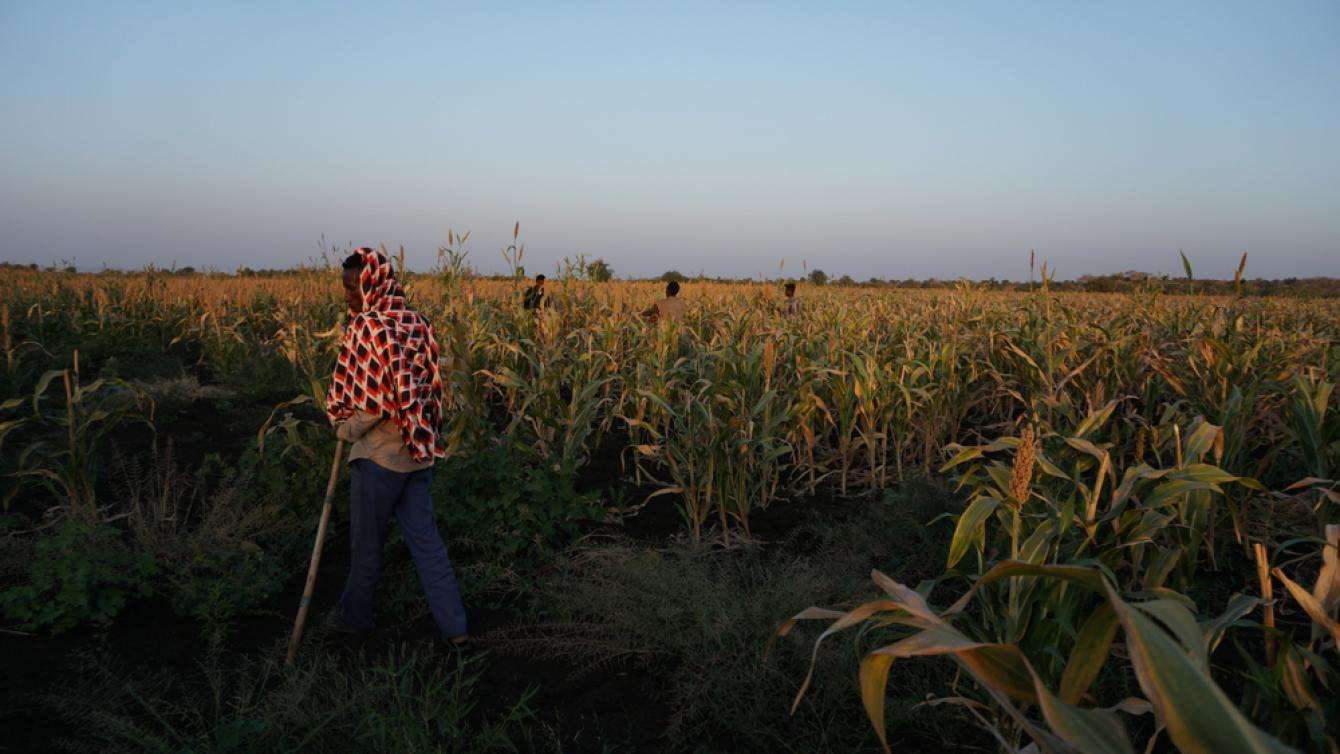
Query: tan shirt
670,308
377,440
792,306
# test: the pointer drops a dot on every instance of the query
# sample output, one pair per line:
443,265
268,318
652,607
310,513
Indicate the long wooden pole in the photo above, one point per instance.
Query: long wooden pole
307,590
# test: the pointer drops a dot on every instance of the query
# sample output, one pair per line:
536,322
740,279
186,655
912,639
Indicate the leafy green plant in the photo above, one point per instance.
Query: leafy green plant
63,450
80,573
498,504
1316,429
278,476
1083,545
1060,501
215,586
722,436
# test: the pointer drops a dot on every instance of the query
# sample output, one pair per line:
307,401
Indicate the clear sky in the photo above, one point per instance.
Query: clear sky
885,139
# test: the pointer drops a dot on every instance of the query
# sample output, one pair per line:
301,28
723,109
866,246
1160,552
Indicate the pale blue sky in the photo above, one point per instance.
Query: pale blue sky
896,140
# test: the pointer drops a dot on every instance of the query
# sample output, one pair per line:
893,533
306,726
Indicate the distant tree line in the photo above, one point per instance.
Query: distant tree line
600,271
1126,282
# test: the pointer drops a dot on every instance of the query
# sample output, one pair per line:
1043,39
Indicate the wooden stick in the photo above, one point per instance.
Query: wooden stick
307,590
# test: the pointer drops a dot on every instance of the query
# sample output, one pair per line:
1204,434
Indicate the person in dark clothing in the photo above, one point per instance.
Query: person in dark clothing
791,306
534,298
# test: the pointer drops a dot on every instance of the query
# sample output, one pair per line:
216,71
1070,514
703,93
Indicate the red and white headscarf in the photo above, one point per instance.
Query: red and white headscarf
388,362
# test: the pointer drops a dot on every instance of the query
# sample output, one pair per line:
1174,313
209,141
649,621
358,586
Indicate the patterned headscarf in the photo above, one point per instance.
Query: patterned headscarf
388,362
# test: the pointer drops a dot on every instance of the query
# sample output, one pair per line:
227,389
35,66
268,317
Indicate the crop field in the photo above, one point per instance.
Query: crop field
1067,521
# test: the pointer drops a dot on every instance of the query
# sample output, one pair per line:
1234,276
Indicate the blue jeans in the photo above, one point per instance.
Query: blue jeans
375,494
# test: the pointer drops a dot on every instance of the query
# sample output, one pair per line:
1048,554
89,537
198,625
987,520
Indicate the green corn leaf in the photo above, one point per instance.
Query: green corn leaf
1293,678
43,383
1200,719
1199,442
1202,472
1089,653
1093,731
1177,618
1095,419
1238,606
969,527
1132,477
1166,491
962,456
1085,446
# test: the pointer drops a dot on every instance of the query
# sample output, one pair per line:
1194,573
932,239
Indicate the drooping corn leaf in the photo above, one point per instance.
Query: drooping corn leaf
1200,719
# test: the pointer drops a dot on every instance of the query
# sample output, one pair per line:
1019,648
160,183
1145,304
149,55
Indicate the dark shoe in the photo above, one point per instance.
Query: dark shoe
334,623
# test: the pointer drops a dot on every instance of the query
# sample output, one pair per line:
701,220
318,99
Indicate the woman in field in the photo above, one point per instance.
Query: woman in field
386,399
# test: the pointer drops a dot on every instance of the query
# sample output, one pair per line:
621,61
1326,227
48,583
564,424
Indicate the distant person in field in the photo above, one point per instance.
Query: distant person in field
668,309
386,399
534,296
791,306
